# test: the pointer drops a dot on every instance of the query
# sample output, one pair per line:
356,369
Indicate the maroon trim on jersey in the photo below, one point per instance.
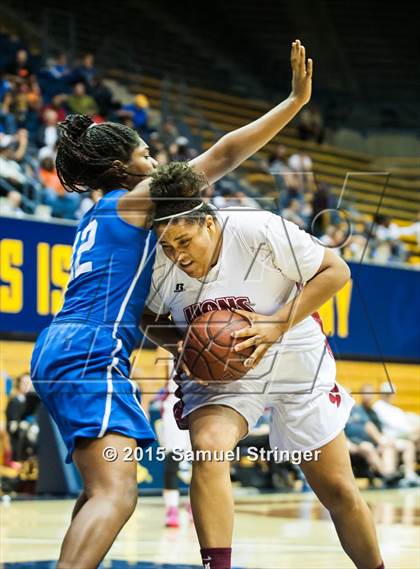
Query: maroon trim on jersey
335,396
318,319
195,310
162,398
182,422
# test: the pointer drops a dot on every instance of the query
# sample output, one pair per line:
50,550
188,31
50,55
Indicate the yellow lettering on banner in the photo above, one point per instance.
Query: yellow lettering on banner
343,301
43,279
326,313
11,293
338,306
60,269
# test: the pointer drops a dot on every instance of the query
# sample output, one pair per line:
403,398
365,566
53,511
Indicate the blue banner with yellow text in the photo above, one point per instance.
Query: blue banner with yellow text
374,317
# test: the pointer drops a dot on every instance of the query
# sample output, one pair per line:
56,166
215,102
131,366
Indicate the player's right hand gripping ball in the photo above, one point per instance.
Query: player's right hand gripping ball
208,349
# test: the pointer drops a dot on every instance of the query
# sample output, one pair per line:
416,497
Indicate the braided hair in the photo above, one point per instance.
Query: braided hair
175,188
85,156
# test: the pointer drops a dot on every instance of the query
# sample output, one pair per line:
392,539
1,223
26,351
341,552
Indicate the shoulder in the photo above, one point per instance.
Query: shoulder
249,224
115,226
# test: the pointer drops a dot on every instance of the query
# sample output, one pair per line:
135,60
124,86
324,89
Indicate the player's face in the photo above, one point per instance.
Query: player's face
141,163
194,248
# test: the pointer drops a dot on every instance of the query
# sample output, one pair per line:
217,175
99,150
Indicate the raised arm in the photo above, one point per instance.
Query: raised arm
236,146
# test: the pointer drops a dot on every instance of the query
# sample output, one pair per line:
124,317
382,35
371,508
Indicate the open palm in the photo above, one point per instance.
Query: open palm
301,73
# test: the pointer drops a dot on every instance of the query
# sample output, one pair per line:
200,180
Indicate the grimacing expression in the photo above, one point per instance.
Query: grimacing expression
193,247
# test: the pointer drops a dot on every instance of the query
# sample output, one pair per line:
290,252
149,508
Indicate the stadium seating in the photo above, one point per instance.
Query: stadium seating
390,182
351,374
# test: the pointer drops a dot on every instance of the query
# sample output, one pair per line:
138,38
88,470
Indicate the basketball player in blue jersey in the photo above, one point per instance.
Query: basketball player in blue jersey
80,364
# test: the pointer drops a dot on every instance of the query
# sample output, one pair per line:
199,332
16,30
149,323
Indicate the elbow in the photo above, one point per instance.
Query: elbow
228,153
343,273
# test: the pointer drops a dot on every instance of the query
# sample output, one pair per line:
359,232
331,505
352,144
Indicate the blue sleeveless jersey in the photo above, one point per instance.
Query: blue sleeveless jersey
80,364
110,274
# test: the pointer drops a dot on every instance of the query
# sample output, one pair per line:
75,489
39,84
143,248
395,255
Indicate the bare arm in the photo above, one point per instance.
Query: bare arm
374,433
236,146
330,278
266,330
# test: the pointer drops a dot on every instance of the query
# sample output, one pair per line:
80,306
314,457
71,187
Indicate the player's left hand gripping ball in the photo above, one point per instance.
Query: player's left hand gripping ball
262,333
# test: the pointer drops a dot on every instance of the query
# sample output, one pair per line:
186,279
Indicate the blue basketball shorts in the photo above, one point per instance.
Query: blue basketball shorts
82,377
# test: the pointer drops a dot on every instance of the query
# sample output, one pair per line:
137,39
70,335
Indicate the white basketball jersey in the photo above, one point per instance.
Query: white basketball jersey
263,262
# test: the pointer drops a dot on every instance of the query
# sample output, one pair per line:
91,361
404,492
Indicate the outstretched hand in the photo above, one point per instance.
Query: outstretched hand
301,73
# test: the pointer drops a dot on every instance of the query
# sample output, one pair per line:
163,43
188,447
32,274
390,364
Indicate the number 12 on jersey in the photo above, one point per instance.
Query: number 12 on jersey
84,242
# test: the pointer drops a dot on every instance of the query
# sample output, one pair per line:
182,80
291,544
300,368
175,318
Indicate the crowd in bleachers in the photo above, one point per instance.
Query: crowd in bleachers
385,437
36,94
19,432
383,440
312,206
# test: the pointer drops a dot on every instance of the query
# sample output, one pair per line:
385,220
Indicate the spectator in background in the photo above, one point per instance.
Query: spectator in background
58,104
223,199
328,238
26,106
356,247
396,422
240,199
18,414
413,229
311,124
335,238
287,182
48,132
397,427
388,247
20,66
88,202
208,193
366,440
168,132
103,97
5,87
63,204
301,164
307,209
86,72
10,156
293,213
80,102
162,157
7,118
59,68
320,203
11,204
138,112
180,150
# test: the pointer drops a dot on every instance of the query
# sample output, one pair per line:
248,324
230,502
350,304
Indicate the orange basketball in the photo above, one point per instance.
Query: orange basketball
209,347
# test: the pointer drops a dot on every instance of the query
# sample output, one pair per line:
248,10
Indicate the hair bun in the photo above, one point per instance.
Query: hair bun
177,180
75,125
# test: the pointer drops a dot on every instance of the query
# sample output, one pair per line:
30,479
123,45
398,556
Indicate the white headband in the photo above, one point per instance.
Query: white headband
179,214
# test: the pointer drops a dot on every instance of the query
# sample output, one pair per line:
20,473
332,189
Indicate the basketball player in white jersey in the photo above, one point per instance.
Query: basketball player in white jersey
278,276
